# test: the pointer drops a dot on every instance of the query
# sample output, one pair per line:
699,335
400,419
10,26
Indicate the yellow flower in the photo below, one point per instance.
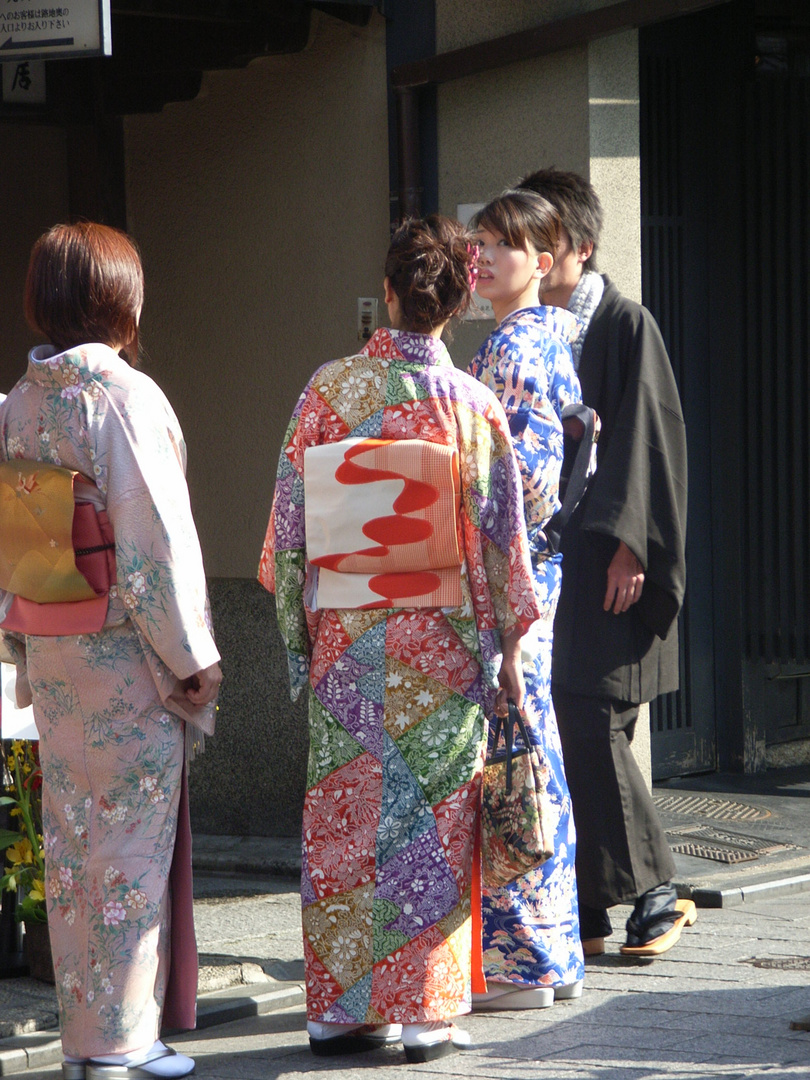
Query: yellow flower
21,852
37,889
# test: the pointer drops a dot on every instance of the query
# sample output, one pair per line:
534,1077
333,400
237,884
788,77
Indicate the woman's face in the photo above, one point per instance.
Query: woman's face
508,276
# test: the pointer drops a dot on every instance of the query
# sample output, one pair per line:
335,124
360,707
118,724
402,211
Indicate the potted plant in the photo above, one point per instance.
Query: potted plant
25,864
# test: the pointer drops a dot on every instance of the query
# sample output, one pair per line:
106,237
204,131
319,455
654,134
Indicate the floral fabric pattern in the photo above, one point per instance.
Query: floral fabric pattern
109,817
397,697
531,926
109,706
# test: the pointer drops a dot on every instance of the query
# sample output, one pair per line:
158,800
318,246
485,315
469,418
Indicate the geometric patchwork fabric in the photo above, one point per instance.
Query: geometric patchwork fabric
386,883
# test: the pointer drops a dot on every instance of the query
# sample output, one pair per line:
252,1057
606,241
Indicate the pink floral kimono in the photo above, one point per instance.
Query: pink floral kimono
110,708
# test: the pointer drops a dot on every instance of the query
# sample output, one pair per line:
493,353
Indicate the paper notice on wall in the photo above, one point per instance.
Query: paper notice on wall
14,723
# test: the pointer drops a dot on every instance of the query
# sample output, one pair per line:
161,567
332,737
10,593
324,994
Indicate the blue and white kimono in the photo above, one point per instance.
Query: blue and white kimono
531,926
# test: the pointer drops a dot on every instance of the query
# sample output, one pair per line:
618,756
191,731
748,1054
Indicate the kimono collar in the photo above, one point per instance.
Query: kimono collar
92,358
404,345
556,321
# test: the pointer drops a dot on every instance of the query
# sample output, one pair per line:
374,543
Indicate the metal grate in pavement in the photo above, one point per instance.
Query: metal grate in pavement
707,807
708,842
716,854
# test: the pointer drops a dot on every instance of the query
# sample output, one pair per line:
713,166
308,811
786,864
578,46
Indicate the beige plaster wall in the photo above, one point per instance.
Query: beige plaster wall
33,192
261,209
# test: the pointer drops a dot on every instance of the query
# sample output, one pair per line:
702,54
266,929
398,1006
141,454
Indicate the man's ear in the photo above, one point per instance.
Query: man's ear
584,251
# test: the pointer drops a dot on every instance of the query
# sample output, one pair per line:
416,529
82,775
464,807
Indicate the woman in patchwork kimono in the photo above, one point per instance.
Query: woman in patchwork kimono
114,679
531,947
398,554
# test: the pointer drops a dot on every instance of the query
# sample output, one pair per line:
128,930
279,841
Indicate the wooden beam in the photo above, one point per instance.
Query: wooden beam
544,39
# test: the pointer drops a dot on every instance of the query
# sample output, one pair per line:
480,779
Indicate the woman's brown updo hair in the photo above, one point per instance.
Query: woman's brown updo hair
429,267
84,284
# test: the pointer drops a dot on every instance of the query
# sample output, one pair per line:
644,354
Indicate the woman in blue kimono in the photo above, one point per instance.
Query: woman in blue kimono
531,948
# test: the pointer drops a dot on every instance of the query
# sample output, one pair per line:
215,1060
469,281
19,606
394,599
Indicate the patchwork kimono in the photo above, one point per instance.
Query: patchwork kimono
110,708
400,682
531,926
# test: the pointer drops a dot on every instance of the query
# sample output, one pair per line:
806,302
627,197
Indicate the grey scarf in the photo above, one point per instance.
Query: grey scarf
584,301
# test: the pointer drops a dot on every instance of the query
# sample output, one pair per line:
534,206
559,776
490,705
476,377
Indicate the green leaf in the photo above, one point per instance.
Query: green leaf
8,838
29,910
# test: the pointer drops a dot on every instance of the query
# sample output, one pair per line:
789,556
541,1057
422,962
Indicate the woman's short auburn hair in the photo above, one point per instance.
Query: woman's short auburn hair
85,283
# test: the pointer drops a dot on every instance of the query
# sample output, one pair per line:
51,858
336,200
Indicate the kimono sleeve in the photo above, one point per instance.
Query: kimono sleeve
638,494
140,457
496,544
283,564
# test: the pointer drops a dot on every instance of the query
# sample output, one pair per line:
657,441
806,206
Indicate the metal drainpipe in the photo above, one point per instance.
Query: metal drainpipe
410,191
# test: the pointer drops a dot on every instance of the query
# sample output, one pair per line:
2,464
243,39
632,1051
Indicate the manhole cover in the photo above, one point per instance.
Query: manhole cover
781,963
703,806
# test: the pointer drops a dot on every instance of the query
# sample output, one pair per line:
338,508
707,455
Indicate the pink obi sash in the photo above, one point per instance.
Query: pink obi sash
382,523
57,551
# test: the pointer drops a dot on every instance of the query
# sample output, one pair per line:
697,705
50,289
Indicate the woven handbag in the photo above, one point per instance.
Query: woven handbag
517,833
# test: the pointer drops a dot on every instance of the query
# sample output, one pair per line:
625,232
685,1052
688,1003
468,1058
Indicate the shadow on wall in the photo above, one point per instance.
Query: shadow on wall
251,779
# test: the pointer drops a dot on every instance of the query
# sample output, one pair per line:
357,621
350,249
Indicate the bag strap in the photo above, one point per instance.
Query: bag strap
512,720
574,484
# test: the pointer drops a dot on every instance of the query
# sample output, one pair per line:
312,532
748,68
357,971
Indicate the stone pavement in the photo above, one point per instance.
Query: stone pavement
720,1003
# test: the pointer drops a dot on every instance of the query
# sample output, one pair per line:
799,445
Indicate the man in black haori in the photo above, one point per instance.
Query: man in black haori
615,635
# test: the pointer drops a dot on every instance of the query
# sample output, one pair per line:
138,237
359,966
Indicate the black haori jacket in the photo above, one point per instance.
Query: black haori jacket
637,495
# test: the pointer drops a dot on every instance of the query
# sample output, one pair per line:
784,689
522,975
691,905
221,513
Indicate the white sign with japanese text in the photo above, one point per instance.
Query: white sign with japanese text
36,30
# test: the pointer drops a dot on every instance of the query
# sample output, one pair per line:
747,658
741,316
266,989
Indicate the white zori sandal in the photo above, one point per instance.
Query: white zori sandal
158,1063
507,996
426,1042
329,1040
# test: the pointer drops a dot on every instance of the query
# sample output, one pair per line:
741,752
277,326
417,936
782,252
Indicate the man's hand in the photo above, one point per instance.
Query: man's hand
625,580
202,687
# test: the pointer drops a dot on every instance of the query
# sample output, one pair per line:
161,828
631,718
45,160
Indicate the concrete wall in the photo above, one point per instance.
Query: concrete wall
576,109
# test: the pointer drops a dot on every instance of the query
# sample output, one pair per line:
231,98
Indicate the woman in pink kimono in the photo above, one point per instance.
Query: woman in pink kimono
397,551
113,686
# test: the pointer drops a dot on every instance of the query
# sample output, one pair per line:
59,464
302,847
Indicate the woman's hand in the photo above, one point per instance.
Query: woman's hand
511,674
202,687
